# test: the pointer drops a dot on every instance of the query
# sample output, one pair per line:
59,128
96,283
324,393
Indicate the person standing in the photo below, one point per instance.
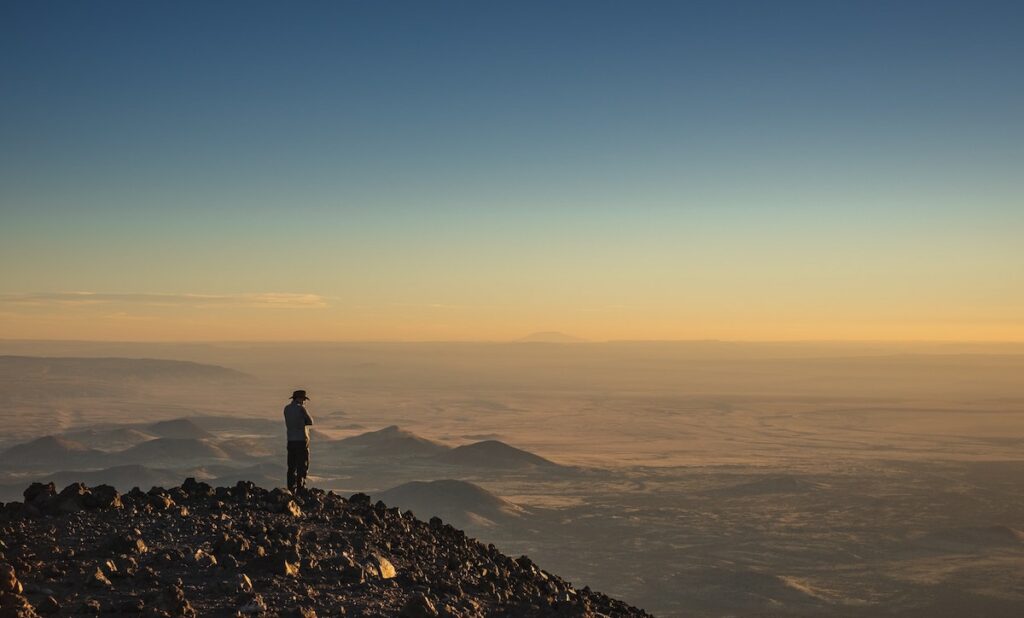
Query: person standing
297,421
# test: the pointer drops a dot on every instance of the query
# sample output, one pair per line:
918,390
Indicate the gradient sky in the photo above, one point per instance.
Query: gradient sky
483,170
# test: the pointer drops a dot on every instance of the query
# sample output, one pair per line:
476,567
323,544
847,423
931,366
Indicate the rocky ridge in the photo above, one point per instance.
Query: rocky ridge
196,550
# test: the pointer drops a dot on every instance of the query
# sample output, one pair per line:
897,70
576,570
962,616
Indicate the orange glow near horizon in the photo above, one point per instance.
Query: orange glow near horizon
109,321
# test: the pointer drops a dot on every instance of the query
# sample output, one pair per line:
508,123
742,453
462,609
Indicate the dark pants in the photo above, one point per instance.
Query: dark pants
298,463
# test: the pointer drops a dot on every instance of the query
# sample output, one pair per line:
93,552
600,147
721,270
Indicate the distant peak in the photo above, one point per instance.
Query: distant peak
551,336
494,454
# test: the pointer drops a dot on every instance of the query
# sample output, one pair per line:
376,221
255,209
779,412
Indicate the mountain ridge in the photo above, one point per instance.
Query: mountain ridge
145,369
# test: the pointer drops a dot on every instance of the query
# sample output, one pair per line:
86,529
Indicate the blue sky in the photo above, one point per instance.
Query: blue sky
462,153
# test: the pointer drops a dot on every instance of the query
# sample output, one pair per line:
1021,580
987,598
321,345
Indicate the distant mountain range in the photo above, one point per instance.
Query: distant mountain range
550,336
394,442
150,453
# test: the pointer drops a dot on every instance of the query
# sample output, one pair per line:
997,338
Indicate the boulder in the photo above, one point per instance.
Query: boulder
12,602
231,546
243,584
174,602
381,567
204,560
97,579
48,606
103,497
71,499
419,606
278,563
9,579
197,489
128,545
131,605
37,493
252,604
160,502
16,606
288,507
291,508
353,574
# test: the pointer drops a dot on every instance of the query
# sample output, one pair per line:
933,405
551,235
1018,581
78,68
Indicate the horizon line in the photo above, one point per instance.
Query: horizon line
521,340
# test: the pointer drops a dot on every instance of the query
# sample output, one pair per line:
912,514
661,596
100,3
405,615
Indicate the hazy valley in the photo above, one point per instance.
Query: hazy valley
700,478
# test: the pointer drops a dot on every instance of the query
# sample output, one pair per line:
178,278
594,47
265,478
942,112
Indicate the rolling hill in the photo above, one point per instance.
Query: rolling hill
459,502
51,452
494,454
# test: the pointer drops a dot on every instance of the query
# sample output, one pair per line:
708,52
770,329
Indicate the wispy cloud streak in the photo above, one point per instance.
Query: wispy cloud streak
271,300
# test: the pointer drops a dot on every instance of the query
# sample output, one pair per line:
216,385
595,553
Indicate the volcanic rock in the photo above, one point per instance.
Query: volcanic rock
243,550
381,567
243,583
419,606
9,579
252,605
97,579
13,603
37,493
48,606
103,497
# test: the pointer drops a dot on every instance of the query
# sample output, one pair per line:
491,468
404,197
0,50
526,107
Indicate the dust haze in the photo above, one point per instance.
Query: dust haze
696,478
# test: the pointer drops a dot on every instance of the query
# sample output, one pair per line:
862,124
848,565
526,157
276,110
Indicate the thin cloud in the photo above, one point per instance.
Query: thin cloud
272,300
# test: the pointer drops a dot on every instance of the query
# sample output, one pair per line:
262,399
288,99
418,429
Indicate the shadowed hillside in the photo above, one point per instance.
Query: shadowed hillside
459,501
50,451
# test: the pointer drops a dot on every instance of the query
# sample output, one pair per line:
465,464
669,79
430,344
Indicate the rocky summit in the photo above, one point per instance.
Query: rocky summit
197,550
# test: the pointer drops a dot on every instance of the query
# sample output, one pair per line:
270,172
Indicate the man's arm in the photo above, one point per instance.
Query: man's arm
309,420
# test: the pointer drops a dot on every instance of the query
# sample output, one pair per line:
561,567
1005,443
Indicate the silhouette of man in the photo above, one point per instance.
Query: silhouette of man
296,420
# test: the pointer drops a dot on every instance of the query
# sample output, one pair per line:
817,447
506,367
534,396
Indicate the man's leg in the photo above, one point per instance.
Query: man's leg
303,464
293,464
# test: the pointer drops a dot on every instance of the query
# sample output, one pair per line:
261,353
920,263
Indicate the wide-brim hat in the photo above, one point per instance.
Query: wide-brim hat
300,395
